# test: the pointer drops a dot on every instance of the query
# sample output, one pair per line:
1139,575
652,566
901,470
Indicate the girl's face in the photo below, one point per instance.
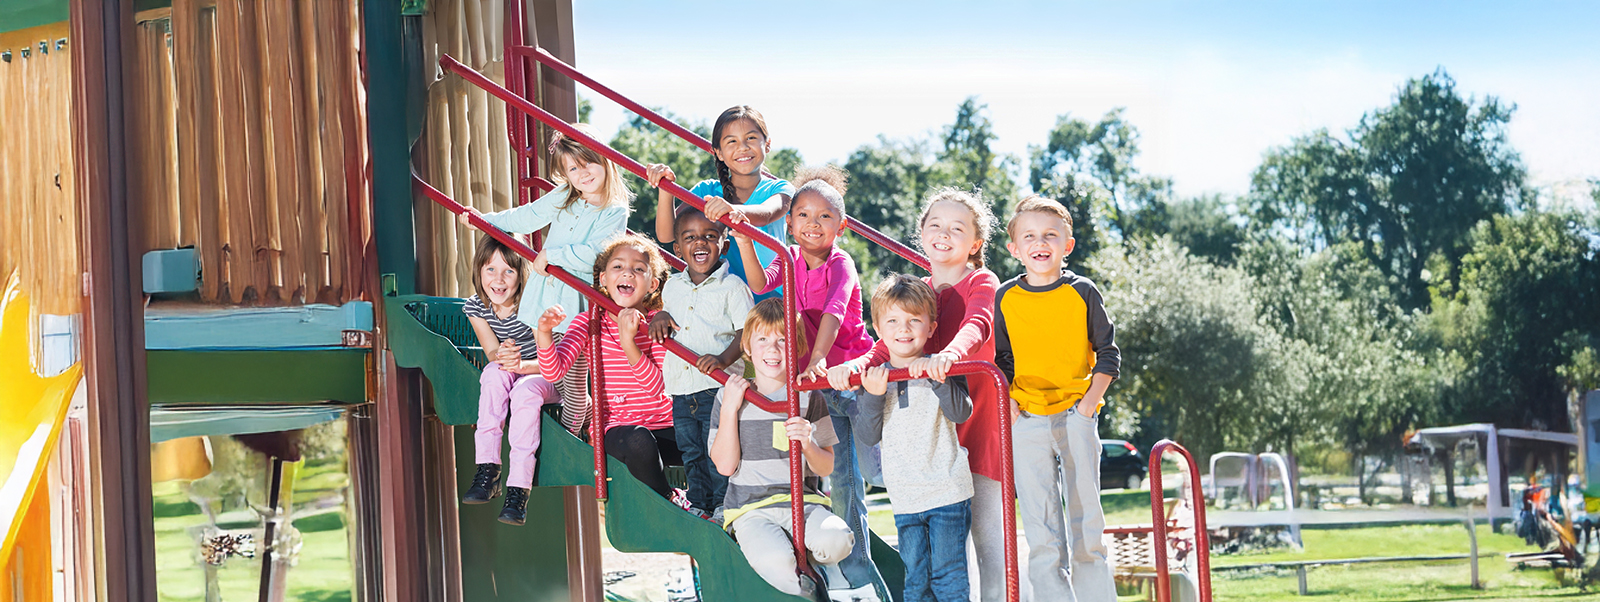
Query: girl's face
949,234
769,352
813,222
499,279
627,277
743,147
588,178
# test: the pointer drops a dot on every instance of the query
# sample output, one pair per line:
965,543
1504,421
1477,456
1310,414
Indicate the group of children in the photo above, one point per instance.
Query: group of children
1046,329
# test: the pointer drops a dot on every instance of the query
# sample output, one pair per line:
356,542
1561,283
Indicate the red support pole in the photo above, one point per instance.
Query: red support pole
1008,518
1158,530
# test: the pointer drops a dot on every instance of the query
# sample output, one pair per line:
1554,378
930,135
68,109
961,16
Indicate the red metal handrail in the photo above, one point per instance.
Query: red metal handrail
786,267
550,60
1158,528
676,262
1008,506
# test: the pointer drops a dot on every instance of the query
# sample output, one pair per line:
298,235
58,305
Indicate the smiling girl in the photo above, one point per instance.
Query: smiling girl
589,206
511,382
741,191
638,427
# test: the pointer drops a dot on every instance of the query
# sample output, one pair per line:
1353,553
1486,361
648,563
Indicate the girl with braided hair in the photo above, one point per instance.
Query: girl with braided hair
741,191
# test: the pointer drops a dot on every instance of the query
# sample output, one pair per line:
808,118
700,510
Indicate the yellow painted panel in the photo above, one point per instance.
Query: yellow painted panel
31,412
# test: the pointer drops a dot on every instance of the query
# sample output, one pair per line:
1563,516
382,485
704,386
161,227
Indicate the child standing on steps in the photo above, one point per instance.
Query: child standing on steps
590,206
705,307
751,446
740,145
638,426
924,466
954,232
828,297
510,382
1056,345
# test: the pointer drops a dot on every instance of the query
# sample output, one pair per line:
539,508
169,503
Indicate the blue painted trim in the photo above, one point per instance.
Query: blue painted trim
306,326
171,271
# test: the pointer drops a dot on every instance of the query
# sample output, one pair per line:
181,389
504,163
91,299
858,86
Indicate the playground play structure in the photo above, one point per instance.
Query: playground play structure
241,236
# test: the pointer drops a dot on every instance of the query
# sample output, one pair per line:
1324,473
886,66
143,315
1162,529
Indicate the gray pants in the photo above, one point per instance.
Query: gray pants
988,538
1058,459
763,536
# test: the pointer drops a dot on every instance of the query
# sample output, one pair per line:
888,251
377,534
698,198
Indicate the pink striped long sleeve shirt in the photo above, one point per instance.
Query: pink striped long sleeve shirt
634,395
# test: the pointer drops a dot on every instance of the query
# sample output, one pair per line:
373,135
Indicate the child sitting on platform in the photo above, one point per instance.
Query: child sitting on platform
510,383
638,425
751,446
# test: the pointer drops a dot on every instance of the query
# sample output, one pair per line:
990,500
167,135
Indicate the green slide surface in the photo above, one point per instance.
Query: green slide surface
430,333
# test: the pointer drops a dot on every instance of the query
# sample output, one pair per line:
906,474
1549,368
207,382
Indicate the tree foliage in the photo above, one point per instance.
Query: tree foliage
1406,185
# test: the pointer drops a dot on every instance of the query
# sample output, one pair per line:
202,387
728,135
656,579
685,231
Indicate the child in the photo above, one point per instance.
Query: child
510,381
1055,343
955,228
638,427
828,297
924,466
705,309
740,148
589,206
753,451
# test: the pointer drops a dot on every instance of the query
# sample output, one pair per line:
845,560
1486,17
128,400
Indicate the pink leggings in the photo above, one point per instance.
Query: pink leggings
522,395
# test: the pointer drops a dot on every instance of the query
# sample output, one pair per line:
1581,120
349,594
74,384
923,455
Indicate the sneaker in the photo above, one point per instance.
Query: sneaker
681,498
516,510
865,593
485,485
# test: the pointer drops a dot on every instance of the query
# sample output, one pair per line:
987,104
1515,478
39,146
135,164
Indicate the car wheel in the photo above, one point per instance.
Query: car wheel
1134,481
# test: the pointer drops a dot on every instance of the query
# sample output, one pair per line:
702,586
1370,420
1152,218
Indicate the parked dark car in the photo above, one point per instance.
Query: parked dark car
1121,465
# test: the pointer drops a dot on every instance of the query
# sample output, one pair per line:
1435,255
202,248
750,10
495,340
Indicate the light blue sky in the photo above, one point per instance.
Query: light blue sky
1210,86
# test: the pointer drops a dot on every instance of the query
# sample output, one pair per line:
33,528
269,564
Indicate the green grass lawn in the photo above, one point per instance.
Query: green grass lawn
1436,581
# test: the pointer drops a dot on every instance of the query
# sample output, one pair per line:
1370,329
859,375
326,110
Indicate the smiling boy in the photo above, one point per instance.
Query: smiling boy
704,308
1060,357
924,466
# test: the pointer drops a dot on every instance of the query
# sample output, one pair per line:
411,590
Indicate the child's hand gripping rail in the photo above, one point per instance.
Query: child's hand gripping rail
549,60
796,508
1008,511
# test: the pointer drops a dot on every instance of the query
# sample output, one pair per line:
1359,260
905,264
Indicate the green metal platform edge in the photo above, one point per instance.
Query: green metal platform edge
454,380
263,376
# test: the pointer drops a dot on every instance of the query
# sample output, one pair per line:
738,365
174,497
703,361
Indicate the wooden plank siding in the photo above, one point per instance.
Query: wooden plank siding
252,148
38,209
468,151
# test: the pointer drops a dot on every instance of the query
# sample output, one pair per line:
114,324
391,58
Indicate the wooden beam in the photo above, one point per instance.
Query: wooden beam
119,418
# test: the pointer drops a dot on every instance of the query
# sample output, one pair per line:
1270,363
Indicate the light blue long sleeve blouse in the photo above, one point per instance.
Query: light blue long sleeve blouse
576,235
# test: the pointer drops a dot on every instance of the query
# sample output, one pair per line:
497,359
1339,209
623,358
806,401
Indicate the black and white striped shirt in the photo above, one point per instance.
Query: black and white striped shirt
505,329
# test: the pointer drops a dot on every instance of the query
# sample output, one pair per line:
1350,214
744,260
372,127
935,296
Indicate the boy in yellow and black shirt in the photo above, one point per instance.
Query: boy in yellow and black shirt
1055,342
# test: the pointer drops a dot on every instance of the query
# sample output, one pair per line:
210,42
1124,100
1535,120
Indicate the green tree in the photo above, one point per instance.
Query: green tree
648,143
1407,184
1077,153
1527,314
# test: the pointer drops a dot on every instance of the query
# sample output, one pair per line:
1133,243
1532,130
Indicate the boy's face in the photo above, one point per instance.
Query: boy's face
768,351
1040,241
904,333
701,243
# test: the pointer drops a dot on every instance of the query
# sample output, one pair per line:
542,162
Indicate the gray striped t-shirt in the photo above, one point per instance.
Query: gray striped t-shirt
512,328
763,475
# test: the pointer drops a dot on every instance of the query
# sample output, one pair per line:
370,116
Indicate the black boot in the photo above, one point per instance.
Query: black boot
485,485
516,510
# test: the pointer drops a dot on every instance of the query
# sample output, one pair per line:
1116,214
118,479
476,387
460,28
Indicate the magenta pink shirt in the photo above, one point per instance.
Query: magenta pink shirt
833,288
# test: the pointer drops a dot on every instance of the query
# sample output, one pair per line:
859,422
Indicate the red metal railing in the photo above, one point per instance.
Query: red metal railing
1158,528
550,60
1008,506
676,262
786,265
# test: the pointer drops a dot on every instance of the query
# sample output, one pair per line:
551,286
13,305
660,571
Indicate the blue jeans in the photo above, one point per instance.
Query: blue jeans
933,544
691,418
849,495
